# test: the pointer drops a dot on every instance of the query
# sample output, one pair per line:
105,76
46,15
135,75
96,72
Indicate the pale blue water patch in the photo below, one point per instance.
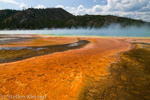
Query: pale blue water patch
21,48
112,30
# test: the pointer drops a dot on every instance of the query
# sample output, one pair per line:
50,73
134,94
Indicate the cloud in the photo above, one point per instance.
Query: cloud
138,9
39,6
97,8
126,5
95,0
59,6
23,6
103,1
9,1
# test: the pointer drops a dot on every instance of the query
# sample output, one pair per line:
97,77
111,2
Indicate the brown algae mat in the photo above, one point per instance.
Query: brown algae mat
129,78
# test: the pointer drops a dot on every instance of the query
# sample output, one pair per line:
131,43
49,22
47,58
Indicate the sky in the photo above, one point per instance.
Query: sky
137,9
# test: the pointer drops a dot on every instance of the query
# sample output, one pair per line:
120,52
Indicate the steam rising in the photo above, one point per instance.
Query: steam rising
112,30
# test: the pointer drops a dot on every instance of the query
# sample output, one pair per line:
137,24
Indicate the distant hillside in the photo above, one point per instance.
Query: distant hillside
57,18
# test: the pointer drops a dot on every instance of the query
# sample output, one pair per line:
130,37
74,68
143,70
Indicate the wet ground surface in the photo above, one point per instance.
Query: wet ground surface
10,54
129,78
60,75
6,40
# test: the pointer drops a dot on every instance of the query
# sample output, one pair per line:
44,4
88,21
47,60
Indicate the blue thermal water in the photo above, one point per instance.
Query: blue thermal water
113,30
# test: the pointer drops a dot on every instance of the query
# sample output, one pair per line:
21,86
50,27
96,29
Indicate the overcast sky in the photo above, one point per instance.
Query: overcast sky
137,9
